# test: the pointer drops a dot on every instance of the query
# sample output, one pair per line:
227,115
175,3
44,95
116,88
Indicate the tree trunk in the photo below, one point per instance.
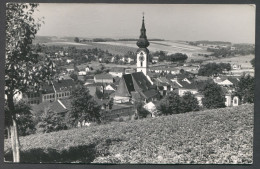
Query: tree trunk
8,132
15,142
13,129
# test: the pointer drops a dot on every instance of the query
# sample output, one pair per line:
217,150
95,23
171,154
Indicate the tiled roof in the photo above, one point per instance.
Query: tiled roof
150,93
135,82
122,89
117,69
103,76
47,88
187,85
141,80
233,80
66,84
58,106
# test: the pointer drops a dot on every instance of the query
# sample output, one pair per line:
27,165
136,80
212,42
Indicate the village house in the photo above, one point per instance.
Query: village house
129,60
69,60
117,71
50,91
119,112
81,73
63,88
155,59
70,68
129,70
60,106
103,78
235,66
226,81
110,87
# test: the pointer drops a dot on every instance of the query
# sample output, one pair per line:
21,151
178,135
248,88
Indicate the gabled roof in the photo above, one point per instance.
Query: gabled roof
135,83
47,88
141,81
150,93
233,80
186,85
65,84
59,106
103,76
117,69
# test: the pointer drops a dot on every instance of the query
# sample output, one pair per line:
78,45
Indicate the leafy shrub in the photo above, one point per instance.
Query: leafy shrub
219,136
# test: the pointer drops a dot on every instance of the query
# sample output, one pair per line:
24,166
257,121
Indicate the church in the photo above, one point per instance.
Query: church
138,86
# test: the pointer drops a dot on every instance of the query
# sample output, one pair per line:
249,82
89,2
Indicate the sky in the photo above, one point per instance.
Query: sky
233,23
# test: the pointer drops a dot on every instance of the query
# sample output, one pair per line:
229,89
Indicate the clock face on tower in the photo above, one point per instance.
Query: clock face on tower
141,58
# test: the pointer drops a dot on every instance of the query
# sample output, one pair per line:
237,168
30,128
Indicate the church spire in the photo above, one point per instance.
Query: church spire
143,42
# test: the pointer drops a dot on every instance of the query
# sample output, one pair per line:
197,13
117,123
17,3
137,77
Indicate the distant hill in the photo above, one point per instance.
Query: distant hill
212,136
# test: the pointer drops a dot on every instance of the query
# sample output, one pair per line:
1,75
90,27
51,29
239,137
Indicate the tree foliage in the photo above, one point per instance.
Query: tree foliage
76,39
252,62
214,69
174,104
25,120
189,102
84,107
24,69
141,111
213,96
50,121
246,88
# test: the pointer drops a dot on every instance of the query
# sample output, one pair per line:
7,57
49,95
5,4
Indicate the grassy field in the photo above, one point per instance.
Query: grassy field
212,136
244,61
121,47
169,46
114,49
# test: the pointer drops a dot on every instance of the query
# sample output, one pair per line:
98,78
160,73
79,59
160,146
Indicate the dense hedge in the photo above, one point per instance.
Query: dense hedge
211,136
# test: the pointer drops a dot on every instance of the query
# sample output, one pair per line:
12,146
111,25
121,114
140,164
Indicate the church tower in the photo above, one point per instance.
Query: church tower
142,52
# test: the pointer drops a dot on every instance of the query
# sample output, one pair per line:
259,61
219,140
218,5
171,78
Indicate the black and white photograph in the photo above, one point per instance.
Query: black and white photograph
104,83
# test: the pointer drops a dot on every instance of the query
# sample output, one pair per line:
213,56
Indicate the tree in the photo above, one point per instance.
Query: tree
213,97
141,111
24,70
178,57
253,62
211,69
189,102
25,121
182,71
74,76
50,121
111,103
84,107
246,88
170,104
76,39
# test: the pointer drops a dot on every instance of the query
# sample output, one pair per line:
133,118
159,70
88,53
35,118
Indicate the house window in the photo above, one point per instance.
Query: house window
235,101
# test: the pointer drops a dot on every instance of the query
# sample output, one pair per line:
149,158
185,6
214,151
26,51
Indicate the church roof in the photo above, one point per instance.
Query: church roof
143,42
141,81
122,89
134,83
